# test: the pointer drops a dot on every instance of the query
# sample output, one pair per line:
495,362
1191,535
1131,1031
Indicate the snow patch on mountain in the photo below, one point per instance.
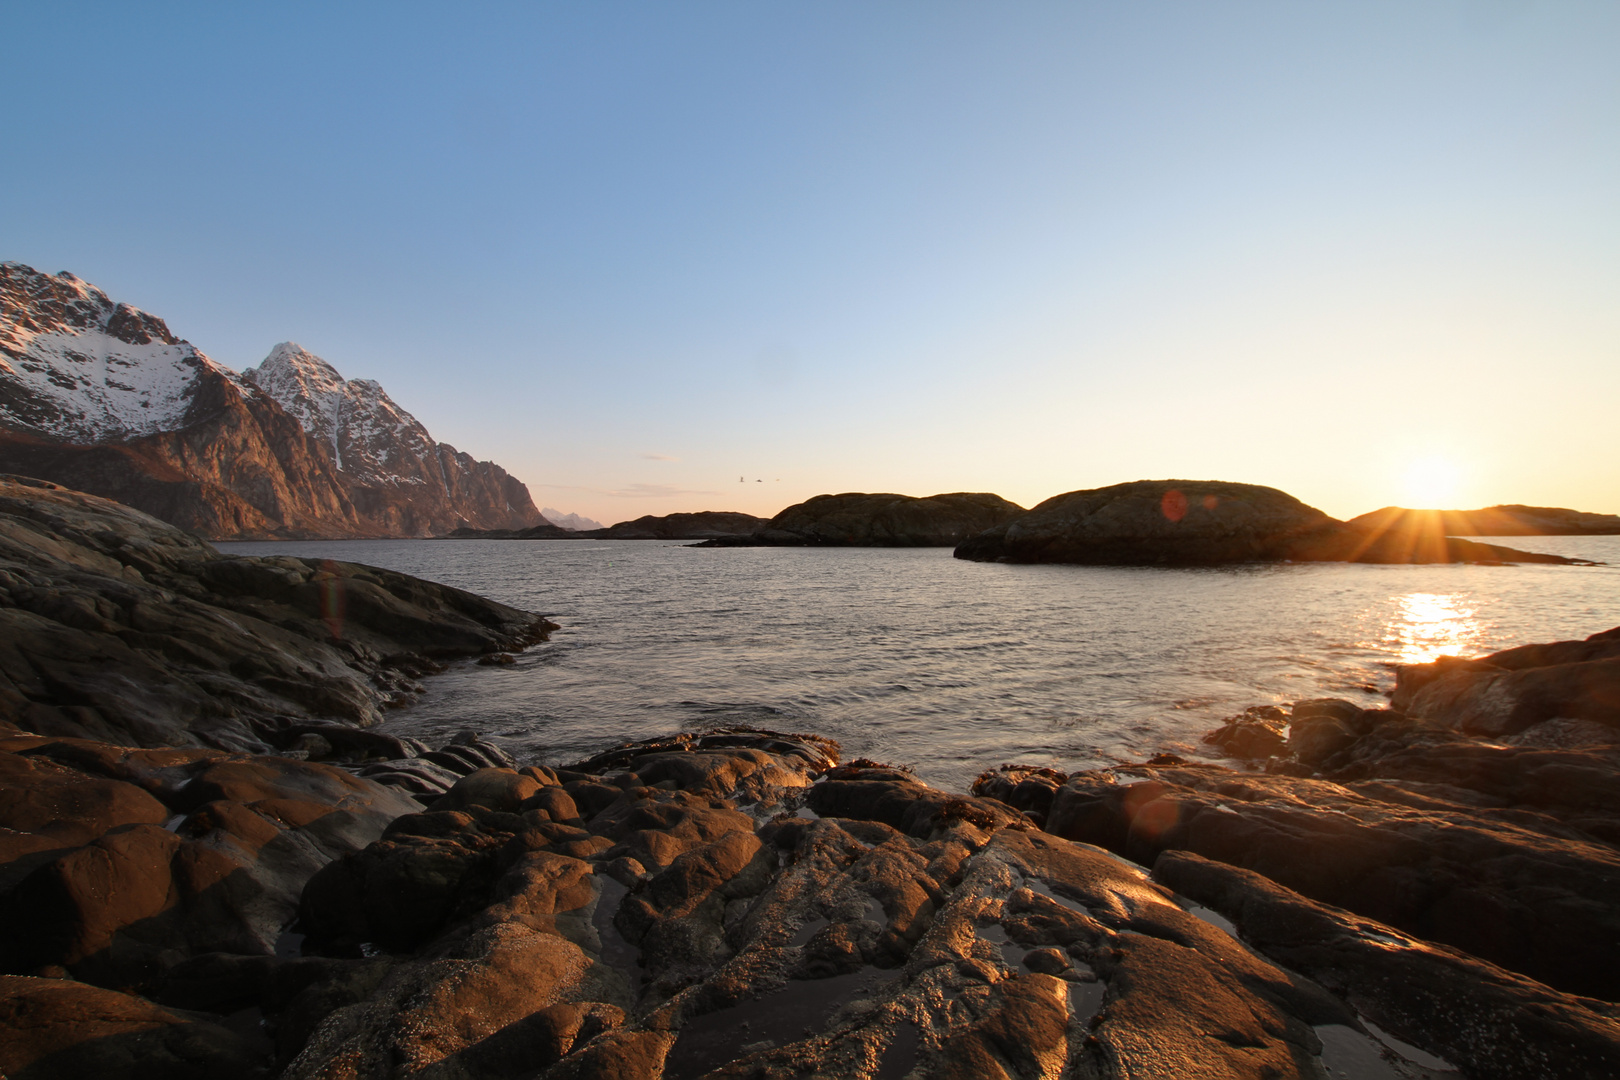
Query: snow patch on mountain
78,367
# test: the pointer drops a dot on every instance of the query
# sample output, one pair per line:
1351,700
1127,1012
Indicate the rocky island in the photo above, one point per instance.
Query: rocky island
863,519
1211,522
1508,520
213,866
703,525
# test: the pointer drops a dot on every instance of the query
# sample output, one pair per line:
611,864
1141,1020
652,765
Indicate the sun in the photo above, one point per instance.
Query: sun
1432,483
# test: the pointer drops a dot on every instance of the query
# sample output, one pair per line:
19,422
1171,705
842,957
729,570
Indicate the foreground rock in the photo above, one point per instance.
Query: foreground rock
173,874
119,860
1451,865
738,904
56,1029
1198,522
858,519
696,906
115,626
1507,692
1507,520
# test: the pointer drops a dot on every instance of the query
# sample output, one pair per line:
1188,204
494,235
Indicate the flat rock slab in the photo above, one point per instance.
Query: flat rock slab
117,627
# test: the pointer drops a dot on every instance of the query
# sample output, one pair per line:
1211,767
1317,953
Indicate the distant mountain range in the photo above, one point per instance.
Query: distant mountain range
570,521
101,397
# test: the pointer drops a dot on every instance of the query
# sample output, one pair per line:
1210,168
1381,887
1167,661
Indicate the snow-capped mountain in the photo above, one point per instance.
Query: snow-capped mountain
102,397
371,437
76,366
397,472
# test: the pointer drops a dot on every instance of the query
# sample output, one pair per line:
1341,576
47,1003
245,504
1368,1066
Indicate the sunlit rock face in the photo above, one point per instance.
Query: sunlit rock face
103,398
1205,522
1506,692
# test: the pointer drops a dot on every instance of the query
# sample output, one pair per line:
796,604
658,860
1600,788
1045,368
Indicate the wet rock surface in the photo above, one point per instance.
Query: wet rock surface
737,904
117,627
1207,522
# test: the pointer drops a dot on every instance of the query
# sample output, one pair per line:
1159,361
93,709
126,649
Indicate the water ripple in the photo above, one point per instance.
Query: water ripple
912,656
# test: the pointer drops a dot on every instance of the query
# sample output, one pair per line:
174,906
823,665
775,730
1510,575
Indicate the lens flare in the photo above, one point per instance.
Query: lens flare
333,602
1173,505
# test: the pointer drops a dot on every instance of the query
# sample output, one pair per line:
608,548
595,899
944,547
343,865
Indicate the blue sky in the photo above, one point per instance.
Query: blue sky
634,252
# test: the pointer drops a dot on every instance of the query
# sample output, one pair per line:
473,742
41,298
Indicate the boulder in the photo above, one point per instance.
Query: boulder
1488,1022
1259,732
121,861
1023,787
492,789
1539,901
1314,739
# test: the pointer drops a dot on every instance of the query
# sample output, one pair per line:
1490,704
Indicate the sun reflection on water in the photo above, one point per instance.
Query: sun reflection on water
1431,625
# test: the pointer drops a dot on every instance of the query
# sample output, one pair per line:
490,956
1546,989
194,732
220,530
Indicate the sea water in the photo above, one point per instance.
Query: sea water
912,657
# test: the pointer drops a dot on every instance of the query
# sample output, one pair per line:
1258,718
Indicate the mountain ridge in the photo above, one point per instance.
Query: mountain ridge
104,398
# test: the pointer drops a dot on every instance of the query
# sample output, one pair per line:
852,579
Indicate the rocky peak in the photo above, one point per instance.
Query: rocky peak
310,389
33,303
370,436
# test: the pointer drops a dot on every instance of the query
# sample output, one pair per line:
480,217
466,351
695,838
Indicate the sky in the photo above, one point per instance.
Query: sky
665,257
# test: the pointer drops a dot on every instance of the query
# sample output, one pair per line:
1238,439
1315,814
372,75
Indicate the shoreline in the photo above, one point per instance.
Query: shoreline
856,882
359,904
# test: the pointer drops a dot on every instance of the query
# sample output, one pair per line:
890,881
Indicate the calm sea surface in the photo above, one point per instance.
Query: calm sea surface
911,656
